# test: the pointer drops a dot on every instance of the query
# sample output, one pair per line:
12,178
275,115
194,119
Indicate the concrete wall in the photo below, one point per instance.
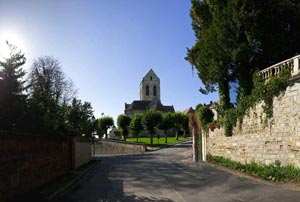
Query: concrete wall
262,141
109,147
83,152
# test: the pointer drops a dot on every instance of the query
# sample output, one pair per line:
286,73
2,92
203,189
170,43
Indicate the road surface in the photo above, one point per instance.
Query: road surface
169,175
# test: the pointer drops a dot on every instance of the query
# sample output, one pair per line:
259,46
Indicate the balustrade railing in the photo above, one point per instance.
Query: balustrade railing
274,70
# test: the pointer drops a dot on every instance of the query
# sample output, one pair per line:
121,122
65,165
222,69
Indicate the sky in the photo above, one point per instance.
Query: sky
107,46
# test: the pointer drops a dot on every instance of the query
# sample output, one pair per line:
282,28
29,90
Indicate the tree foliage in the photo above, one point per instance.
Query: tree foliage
185,124
178,122
136,124
167,123
12,87
123,122
104,123
205,116
40,103
81,117
49,91
211,53
151,121
234,38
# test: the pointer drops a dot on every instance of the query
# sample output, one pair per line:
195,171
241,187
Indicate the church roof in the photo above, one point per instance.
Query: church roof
152,73
144,105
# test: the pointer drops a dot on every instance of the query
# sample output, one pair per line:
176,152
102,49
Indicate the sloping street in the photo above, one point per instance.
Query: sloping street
169,175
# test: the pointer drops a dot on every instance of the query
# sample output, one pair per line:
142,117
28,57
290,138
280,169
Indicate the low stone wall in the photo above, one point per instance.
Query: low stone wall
260,148
110,147
83,152
264,140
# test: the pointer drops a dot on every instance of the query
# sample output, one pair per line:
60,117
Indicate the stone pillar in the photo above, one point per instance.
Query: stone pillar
203,145
296,66
195,144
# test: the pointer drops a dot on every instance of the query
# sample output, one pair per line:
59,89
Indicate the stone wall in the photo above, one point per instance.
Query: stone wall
28,161
264,140
83,152
109,147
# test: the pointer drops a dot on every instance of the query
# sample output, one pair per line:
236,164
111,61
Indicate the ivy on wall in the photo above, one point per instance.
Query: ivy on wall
262,91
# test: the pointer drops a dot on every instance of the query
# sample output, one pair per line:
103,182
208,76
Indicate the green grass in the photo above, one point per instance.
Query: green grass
161,143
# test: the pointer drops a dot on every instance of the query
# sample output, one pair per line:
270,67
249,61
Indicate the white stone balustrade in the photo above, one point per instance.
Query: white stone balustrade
274,70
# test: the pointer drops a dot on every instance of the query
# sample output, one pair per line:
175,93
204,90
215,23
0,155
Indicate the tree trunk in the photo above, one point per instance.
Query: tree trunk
166,136
224,95
176,135
151,139
184,133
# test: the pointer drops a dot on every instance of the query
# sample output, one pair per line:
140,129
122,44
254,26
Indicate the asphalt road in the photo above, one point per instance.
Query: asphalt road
169,175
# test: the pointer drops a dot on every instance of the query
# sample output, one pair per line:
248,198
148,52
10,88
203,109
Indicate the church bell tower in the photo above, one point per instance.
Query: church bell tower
150,86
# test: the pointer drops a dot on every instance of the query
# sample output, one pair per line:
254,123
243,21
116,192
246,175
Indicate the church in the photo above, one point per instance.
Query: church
149,97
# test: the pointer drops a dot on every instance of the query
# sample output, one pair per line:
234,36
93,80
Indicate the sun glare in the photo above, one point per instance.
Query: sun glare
13,39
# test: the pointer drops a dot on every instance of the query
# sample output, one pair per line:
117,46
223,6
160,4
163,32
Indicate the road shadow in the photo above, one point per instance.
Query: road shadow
157,176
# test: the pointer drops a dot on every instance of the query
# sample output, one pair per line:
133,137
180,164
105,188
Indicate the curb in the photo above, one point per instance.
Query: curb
69,185
151,149
287,186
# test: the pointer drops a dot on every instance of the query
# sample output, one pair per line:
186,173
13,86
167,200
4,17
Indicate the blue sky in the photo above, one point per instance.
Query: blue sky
107,46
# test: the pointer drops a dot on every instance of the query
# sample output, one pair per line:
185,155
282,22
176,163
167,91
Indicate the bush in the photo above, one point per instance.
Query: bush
205,116
268,172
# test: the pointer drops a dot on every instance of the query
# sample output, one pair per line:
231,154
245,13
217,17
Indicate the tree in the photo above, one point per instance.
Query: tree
81,117
136,125
178,122
104,123
123,122
185,124
167,123
49,90
12,86
211,55
231,41
151,120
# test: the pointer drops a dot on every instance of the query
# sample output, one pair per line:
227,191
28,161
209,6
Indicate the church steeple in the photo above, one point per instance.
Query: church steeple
150,86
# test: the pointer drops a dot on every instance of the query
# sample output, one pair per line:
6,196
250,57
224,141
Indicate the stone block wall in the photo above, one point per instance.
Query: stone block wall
109,147
264,140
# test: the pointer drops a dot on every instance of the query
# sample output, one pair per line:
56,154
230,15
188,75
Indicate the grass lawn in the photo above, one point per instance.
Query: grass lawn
161,143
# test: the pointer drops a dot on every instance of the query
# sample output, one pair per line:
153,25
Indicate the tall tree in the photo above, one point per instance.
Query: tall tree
12,86
123,122
178,122
211,55
167,123
104,123
49,90
136,125
232,41
151,121
81,117
185,124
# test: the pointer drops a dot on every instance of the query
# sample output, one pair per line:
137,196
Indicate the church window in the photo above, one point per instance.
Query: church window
151,78
147,90
154,91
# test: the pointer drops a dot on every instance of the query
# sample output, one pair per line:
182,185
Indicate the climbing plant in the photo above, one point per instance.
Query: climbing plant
264,91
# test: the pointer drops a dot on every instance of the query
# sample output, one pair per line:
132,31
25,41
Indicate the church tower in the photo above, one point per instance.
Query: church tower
150,87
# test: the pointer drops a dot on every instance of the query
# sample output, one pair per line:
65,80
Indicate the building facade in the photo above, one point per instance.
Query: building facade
149,97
